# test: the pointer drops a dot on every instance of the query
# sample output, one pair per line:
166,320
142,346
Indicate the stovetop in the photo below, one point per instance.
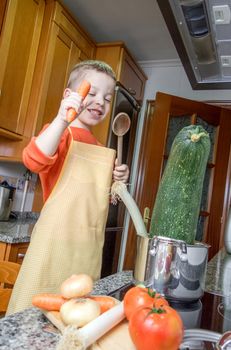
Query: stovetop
211,312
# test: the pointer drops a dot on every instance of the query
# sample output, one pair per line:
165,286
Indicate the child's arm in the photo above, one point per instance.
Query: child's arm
48,141
35,160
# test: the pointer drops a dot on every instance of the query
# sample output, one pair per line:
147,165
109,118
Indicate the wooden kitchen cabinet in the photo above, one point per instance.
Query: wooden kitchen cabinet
13,252
132,77
126,68
63,44
32,91
3,4
18,50
128,73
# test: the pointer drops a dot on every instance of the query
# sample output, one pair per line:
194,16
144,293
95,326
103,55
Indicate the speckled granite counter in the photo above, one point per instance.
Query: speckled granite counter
29,329
18,230
218,278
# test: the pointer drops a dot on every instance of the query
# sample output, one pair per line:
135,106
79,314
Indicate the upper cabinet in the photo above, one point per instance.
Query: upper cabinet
63,44
18,51
131,76
3,5
39,44
128,73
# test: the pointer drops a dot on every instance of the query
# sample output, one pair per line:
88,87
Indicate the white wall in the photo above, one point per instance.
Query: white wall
168,77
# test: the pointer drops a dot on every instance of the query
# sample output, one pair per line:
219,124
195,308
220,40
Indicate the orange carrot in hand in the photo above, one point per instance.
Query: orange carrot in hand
82,91
106,302
49,302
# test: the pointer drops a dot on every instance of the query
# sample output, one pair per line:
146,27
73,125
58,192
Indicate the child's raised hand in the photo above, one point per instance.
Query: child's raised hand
71,101
121,172
72,104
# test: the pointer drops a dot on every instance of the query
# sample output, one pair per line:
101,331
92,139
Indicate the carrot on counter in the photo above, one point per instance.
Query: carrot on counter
106,302
49,302
82,91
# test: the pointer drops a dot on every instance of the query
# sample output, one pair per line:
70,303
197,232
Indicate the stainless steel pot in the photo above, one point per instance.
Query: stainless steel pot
6,200
172,267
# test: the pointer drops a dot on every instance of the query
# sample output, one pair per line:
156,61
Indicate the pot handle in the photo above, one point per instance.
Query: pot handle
183,251
154,249
181,244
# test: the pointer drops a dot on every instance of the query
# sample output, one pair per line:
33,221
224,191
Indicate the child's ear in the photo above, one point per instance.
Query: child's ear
66,93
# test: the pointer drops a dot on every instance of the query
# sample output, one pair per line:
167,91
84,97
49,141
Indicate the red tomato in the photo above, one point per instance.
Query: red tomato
156,329
139,296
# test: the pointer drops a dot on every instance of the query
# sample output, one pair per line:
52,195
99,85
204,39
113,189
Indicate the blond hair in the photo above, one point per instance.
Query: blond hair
81,68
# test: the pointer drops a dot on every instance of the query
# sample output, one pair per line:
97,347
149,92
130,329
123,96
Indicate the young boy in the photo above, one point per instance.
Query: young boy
76,174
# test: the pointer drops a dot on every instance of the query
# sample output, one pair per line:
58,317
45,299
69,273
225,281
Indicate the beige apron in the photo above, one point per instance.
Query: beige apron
68,238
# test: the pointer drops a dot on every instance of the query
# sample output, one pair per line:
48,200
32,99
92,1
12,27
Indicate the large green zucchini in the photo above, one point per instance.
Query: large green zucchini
177,205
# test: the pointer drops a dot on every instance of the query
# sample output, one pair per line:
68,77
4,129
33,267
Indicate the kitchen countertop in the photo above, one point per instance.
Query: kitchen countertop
29,329
218,277
19,229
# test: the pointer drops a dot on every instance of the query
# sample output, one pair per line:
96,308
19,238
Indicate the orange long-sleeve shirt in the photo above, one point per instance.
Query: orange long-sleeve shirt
47,167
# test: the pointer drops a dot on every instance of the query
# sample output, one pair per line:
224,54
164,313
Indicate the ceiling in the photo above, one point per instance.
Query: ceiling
138,23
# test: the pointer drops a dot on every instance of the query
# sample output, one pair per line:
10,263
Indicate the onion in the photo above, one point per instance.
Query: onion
81,339
79,312
76,286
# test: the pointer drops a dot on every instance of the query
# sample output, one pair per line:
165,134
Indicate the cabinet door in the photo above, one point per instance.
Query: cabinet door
19,42
164,118
132,77
128,73
61,55
3,4
13,252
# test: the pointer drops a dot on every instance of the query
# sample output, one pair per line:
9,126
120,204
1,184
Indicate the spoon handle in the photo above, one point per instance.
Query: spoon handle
119,149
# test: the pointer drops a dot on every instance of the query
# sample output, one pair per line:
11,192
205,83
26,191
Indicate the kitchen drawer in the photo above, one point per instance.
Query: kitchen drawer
13,252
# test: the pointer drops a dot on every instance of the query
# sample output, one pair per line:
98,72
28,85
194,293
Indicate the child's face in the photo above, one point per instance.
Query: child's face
97,102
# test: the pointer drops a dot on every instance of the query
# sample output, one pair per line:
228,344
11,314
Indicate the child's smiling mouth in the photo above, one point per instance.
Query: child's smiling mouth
95,113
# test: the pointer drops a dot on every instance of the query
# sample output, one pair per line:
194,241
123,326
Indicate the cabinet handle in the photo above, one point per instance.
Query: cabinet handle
132,91
21,255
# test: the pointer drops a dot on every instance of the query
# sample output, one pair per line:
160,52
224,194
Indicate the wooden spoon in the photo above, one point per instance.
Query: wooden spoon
120,126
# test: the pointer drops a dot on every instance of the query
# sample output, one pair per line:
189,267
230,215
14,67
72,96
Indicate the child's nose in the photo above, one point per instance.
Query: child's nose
100,100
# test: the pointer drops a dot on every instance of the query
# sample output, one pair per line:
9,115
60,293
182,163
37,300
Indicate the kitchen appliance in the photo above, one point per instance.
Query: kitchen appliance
123,102
173,268
6,200
227,232
201,32
27,176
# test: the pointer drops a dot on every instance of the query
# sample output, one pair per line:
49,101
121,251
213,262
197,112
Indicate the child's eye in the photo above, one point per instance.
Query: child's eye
91,93
108,99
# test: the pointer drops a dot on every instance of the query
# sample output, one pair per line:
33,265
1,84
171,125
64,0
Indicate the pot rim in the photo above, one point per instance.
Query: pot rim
169,240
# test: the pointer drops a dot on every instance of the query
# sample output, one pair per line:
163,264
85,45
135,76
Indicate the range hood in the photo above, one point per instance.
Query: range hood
201,32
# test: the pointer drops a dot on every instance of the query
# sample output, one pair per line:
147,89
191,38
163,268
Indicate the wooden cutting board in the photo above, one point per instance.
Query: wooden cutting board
54,317
117,338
